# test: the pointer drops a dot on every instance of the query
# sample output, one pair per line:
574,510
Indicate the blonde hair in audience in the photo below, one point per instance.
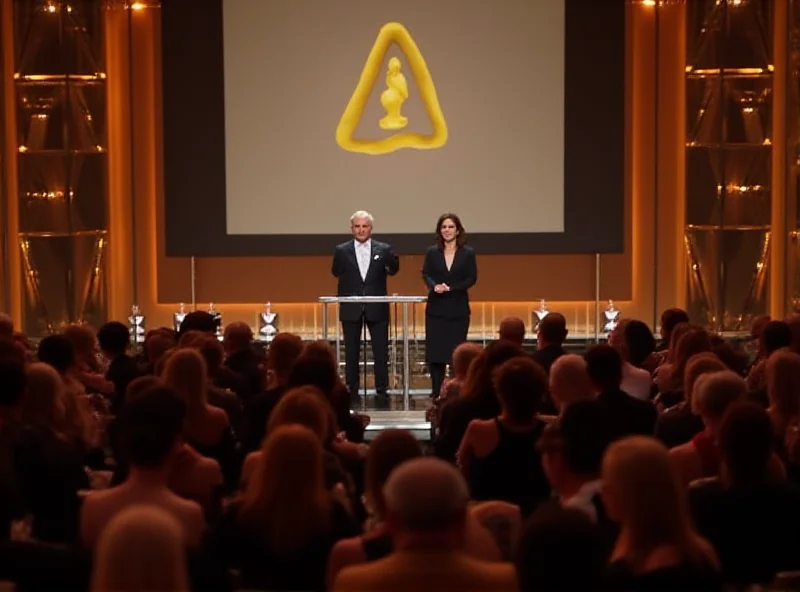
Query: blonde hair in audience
644,493
697,366
306,406
679,331
141,548
186,372
285,500
43,403
139,385
783,383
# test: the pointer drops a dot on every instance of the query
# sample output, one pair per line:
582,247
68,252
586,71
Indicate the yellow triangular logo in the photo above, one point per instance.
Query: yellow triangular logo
392,33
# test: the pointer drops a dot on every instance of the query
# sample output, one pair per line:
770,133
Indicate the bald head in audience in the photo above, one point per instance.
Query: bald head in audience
512,329
569,381
427,497
552,330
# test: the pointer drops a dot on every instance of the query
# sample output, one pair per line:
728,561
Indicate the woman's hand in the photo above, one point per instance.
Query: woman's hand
441,288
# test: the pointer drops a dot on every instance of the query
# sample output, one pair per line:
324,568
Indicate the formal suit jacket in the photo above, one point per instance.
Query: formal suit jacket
382,263
461,276
427,571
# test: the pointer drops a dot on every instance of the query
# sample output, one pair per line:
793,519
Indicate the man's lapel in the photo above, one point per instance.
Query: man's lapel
372,253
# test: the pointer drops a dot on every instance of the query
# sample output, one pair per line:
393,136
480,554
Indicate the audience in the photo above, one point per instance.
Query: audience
426,501
626,414
198,463
151,427
141,549
569,381
498,456
657,547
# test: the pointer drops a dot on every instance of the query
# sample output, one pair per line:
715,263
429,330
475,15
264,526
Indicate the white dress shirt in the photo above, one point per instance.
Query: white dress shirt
363,255
636,382
582,500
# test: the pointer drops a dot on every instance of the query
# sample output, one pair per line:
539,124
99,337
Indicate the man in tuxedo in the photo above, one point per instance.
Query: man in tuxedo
362,266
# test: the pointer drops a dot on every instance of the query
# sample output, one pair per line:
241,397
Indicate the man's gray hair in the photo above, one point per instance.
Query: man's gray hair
426,494
362,214
716,391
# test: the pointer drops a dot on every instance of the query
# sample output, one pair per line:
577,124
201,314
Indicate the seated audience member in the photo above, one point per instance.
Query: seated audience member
629,342
657,548
670,376
308,407
88,369
142,548
386,452
191,475
625,414
284,350
775,335
241,359
44,467
80,423
498,456
679,424
197,321
206,428
150,427
550,338
569,381
783,390
113,339
316,367
512,329
426,501
463,357
157,342
670,319
477,399
560,551
281,531
211,349
572,453
752,519
714,393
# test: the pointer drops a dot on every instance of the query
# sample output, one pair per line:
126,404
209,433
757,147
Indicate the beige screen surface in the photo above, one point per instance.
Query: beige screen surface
291,67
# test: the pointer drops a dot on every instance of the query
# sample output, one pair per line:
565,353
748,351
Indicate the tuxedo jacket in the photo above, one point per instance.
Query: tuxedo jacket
461,276
382,263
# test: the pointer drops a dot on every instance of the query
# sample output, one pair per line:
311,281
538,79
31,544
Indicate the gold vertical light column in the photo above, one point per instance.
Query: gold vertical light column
61,163
729,160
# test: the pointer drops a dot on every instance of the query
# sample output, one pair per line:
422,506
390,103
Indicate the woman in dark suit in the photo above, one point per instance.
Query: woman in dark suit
449,271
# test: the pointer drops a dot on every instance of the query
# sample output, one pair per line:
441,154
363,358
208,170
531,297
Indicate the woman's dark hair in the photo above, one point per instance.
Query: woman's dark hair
462,234
639,342
478,385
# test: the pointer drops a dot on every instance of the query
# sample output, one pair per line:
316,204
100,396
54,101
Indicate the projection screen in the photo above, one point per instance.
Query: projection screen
530,92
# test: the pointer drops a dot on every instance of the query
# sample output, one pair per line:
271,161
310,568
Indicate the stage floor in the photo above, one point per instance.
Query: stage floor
395,415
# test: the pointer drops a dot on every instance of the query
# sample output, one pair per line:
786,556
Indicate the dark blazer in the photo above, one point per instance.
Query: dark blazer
383,263
461,277
626,415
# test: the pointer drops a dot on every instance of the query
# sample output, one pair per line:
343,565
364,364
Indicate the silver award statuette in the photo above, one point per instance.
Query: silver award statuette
177,317
612,317
136,323
267,323
539,314
217,316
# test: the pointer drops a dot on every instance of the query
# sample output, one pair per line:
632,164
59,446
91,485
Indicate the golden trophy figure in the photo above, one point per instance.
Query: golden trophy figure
394,96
